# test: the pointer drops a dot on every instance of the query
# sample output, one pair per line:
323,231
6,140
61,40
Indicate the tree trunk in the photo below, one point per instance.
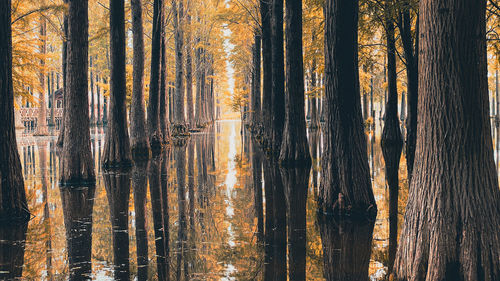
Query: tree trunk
294,147
198,105
278,76
77,165
139,142
179,127
117,143
78,204
164,121
92,114
12,192
139,184
41,128
154,130
98,91
256,92
452,217
315,124
118,192
267,65
345,182
189,74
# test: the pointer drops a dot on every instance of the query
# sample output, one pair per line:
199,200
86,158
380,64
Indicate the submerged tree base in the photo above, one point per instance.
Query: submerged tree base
180,130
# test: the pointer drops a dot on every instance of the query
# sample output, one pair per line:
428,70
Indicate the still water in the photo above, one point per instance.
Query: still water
201,211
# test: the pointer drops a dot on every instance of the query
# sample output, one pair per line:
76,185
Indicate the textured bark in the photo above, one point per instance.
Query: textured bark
198,73
179,127
77,165
98,92
41,127
189,74
346,173
64,58
77,205
12,194
139,142
139,184
118,192
154,130
452,217
267,82
278,76
296,181
346,248
256,91
92,104
294,147
12,246
164,120
117,143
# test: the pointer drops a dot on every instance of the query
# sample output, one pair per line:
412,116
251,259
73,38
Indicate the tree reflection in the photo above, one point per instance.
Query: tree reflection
78,203
139,184
346,248
12,243
117,186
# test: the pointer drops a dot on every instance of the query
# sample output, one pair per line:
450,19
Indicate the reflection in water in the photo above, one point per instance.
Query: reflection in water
346,248
217,209
117,186
12,240
77,203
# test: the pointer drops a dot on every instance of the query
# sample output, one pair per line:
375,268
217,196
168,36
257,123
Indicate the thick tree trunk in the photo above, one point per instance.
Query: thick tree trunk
139,142
294,147
164,121
452,217
267,83
118,192
189,74
347,247
117,143
154,130
296,182
139,184
41,128
78,204
12,194
256,92
345,182
77,165
179,127
278,76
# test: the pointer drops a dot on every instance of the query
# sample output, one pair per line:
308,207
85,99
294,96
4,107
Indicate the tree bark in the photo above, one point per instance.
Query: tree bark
294,147
139,142
267,64
77,165
315,122
12,193
164,121
453,196
154,130
64,58
117,143
92,113
179,127
189,74
256,91
345,182
278,76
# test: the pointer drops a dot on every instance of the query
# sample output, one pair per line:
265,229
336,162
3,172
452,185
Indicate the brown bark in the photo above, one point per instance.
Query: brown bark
278,76
77,205
267,83
139,184
179,127
452,217
92,104
154,130
12,194
139,142
189,74
77,165
64,59
294,147
346,173
164,120
117,143
41,128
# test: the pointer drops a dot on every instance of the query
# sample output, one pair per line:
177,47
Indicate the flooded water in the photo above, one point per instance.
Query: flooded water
201,211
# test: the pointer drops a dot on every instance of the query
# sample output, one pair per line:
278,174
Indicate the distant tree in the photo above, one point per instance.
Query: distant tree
117,143
41,128
13,196
452,217
189,73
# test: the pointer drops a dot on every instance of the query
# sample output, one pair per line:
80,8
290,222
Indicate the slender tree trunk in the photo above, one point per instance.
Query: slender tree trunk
98,91
12,192
278,76
52,99
189,74
452,217
198,105
41,129
154,130
315,124
164,121
294,147
92,114
77,165
117,143
267,83
139,142
179,127
345,182
256,91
